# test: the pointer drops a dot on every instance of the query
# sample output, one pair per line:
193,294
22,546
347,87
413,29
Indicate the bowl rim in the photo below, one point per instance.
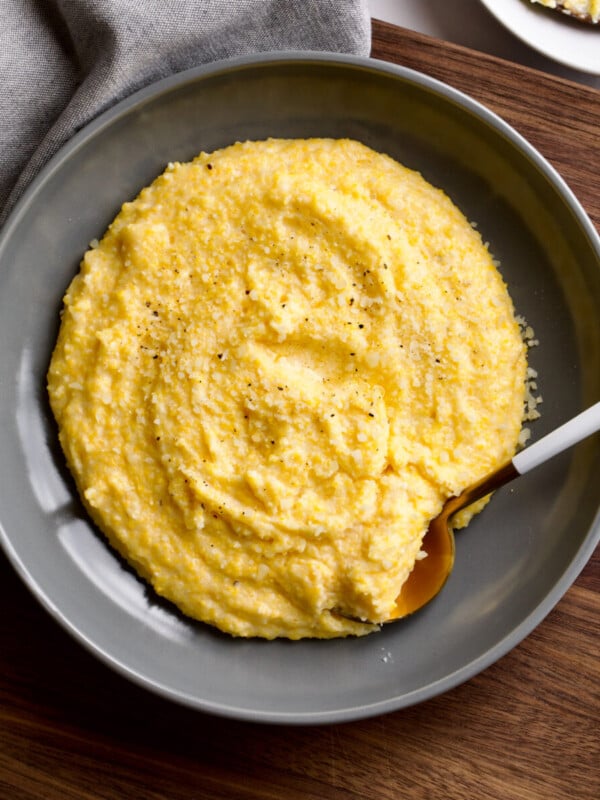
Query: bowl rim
152,92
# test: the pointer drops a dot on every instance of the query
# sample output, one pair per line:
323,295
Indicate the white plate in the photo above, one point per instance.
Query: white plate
555,35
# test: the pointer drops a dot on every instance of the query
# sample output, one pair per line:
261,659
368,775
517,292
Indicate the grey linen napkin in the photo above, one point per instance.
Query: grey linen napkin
62,62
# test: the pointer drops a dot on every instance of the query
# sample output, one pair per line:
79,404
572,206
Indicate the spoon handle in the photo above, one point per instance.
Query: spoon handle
570,433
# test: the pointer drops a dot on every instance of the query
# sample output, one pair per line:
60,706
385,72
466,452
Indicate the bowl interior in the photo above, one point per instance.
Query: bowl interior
516,559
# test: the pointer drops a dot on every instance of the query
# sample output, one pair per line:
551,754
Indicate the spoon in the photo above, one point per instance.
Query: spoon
430,574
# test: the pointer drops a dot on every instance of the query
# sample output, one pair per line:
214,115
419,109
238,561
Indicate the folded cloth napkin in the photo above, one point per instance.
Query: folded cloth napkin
65,61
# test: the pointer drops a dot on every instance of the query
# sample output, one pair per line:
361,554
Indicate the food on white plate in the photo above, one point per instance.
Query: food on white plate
583,10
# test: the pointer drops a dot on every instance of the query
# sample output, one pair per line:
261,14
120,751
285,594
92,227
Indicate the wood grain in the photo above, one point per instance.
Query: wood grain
525,729
561,119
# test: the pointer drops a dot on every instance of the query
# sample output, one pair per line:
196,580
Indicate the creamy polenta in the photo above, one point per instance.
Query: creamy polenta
271,372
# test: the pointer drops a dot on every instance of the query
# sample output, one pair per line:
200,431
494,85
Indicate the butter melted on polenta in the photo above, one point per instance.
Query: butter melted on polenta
271,372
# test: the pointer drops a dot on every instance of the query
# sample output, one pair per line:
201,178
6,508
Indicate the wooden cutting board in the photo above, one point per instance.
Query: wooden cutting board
525,729
560,118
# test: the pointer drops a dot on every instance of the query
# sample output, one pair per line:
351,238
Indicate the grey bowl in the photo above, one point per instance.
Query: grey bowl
513,563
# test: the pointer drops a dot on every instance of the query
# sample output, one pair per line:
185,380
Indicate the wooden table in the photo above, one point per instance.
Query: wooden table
528,727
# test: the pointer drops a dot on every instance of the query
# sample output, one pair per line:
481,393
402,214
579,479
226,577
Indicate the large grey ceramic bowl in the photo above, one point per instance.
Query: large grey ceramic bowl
513,563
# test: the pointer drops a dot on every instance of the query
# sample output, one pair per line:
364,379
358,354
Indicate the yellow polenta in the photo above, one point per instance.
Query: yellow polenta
271,372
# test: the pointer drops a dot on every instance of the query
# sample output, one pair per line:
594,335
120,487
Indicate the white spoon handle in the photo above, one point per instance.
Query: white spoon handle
570,433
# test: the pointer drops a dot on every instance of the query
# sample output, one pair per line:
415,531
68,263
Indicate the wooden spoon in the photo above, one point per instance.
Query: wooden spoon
430,574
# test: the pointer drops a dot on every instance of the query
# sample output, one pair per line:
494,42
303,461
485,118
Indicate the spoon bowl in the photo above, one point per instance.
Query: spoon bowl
431,573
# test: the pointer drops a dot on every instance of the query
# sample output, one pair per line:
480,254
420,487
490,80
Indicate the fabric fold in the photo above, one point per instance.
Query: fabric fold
66,61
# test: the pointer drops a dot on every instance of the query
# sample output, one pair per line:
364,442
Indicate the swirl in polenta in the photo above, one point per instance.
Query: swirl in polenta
272,371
